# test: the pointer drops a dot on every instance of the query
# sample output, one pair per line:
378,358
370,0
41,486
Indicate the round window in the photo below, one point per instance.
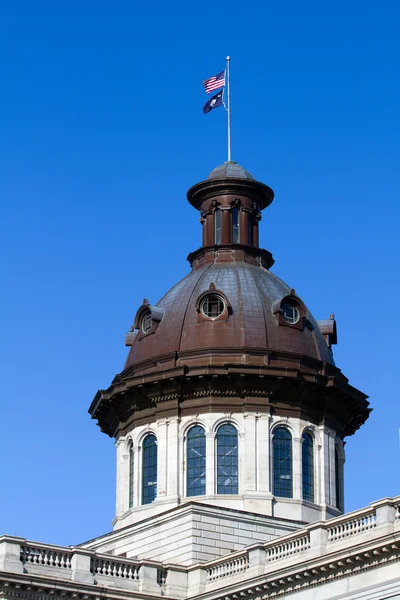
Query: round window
290,312
147,322
212,306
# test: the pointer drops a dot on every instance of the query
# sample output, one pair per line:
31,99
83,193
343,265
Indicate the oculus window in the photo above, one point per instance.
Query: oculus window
227,460
290,312
307,450
196,461
149,469
147,322
283,463
212,306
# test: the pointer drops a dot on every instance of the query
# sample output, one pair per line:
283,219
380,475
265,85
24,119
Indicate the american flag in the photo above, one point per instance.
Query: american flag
213,83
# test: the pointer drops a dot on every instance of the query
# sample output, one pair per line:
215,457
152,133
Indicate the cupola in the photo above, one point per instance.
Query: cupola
230,202
230,395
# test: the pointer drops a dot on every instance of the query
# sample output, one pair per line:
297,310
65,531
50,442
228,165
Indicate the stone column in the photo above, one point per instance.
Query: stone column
250,455
121,504
326,472
173,471
264,451
182,465
137,475
226,227
332,477
162,458
318,499
209,229
244,226
211,478
297,468
242,451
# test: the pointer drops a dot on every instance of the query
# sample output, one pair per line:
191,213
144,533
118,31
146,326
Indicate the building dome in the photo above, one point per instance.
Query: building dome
230,394
230,169
251,332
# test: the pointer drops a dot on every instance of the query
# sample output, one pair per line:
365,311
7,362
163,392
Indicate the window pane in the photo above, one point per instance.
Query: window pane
227,460
196,461
235,225
149,476
131,476
282,456
217,217
308,467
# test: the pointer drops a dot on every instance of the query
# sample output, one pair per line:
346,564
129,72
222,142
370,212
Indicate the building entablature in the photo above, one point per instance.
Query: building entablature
288,384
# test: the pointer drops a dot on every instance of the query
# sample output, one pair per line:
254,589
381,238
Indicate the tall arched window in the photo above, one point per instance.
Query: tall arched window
307,450
196,461
130,475
217,226
227,460
283,463
338,481
149,469
235,226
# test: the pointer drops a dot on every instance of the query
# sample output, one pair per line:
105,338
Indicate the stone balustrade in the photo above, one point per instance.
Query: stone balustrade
19,556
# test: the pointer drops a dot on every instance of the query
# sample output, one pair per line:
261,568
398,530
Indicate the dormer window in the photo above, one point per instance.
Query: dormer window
290,312
147,322
213,305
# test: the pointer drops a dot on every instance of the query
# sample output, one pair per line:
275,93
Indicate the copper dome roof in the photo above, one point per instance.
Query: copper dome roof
252,327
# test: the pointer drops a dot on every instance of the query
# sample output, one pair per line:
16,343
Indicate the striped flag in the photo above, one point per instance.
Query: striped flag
213,83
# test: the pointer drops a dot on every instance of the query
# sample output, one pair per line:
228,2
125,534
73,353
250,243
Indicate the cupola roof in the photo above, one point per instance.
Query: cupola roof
230,169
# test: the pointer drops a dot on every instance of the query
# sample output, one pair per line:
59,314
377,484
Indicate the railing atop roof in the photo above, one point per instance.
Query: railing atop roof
316,540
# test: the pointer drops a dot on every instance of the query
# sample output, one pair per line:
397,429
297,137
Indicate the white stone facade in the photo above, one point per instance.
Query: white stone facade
255,470
352,557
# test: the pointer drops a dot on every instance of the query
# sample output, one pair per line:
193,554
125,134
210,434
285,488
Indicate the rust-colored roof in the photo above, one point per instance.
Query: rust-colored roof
252,291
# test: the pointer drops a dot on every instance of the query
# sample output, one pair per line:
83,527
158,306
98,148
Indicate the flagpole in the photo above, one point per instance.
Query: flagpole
228,74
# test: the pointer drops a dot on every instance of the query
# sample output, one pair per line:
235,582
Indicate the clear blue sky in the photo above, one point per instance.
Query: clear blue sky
101,135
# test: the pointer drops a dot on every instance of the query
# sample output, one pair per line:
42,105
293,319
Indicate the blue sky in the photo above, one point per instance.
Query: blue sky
101,135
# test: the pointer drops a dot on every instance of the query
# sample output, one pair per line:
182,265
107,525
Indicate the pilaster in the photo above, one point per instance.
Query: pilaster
210,463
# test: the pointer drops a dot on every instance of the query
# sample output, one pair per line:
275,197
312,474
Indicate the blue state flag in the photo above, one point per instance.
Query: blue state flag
213,102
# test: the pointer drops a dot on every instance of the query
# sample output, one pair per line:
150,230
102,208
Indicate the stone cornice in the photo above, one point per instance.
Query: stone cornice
311,573
311,386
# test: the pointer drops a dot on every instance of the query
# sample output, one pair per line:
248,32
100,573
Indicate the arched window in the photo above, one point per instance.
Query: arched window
217,225
130,475
149,469
235,226
283,467
307,450
227,460
338,481
196,461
